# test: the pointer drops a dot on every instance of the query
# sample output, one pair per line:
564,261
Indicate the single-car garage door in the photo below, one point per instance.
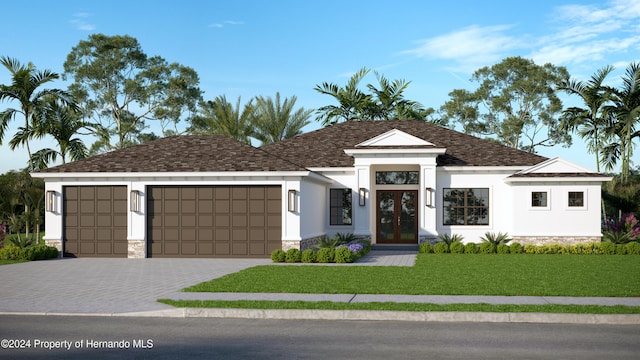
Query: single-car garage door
95,221
213,221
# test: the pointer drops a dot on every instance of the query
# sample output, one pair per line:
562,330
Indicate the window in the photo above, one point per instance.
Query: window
340,207
396,177
576,199
539,199
466,206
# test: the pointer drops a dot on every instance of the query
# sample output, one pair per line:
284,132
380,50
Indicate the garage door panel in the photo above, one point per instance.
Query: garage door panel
95,221
213,221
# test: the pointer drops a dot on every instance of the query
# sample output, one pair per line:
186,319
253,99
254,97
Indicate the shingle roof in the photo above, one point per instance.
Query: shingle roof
194,153
325,147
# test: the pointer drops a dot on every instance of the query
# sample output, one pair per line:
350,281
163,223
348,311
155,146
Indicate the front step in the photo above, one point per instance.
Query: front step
394,247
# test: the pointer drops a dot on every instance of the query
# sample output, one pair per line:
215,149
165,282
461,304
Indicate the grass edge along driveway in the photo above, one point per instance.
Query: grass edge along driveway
449,274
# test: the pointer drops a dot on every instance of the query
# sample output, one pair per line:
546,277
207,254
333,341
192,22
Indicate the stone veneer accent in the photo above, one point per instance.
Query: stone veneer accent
550,240
428,239
56,243
136,249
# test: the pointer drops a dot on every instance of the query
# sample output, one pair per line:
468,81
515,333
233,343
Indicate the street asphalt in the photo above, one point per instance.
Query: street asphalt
131,287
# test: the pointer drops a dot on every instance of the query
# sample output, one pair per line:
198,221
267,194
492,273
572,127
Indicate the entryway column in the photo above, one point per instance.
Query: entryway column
362,213
428,201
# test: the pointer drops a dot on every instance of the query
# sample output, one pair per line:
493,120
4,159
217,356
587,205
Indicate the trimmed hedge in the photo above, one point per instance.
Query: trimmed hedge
604,248
31,253
346,253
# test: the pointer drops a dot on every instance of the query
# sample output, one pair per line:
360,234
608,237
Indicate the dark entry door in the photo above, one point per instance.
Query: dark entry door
397,217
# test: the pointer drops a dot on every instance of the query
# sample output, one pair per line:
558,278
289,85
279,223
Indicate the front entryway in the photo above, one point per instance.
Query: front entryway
397,217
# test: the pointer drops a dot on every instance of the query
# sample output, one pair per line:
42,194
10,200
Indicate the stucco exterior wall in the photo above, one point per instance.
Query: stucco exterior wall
557,219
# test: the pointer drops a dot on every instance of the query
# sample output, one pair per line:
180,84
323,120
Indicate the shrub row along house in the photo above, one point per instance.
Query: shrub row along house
394,182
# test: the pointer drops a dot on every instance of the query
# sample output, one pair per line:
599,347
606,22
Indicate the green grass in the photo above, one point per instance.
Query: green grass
8,262
449,274
328,305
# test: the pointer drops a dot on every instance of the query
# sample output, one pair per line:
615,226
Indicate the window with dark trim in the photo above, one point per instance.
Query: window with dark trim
576,199
539,199
397,177
340,207
467,206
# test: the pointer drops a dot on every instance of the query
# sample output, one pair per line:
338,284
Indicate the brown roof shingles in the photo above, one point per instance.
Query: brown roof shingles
325,147
193,153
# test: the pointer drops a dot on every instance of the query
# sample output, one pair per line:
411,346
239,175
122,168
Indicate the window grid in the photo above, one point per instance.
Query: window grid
340,207
467,206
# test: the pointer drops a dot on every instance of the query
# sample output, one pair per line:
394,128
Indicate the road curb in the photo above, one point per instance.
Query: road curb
413,316
366,315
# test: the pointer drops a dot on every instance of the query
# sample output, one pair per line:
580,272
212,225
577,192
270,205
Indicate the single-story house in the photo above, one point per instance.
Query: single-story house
393,182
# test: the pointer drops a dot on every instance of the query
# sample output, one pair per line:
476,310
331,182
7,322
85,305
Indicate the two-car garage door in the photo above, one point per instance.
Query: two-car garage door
182,221
213,221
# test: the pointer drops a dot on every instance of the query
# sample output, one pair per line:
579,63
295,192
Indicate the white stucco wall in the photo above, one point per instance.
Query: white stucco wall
343,180
313,205
557,219
500,201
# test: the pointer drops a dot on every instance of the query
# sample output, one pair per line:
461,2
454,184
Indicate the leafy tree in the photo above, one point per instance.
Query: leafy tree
520,103
118,83
222,117
385,102
26,89
274,121
62,123
589,121
624,116
21,202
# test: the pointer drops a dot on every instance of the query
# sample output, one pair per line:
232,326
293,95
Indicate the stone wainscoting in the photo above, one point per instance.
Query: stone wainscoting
550,240
56,243
136,249
428,239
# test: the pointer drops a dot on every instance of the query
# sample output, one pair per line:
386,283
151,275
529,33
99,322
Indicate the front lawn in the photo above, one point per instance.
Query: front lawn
449,274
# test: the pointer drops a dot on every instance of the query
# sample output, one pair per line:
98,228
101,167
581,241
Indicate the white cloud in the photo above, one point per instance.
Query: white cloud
469,48
224,23
576,34
79,23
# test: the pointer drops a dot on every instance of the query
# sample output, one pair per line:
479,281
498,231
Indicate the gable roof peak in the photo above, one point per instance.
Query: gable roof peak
396,138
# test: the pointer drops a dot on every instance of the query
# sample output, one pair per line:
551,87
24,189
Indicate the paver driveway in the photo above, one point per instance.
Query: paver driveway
105,285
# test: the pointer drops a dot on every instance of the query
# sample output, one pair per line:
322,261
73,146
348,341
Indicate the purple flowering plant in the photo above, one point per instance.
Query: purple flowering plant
624,229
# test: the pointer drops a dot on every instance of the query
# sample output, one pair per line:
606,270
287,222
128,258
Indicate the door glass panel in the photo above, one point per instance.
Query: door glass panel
408,216
386,209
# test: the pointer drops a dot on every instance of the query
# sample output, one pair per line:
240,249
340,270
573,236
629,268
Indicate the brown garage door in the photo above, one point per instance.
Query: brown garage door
213,221
95,221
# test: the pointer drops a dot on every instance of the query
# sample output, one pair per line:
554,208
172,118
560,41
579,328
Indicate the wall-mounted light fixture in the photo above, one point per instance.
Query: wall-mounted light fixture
362,196
428,195
134,201
50,200
292,201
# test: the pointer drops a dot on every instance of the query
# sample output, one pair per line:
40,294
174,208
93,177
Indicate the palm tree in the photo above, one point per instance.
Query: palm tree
221,117
624,115
390,101
353,103
62,123
274,121
25,82
589,122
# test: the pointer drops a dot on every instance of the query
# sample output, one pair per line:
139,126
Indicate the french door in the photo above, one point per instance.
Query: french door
397,217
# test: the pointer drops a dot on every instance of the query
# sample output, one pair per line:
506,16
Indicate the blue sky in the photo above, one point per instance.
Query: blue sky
249,48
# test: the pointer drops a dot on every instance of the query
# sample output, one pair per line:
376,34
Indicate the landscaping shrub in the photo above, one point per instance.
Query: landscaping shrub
621,230
343,255
487,248
450,239
325,255
496,239
516,248
277,255
456,247
425,248
470,248
530,249
502,249
633,248
292,255
308,256
38,252
608,248
441,248
621,249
